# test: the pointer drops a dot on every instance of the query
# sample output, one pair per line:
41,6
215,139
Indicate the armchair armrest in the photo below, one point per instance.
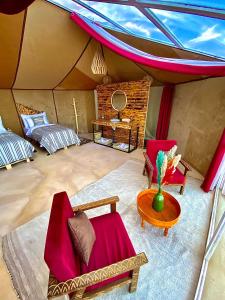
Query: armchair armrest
107,201
56,289
186,166
150,167
147,161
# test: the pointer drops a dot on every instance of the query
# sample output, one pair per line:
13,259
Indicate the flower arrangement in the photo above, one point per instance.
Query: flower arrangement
166,164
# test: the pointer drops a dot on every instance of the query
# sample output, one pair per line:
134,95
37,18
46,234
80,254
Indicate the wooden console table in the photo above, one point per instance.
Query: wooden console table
114,125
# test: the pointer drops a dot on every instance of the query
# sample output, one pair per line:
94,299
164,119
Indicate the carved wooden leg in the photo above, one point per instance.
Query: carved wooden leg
8,167
182,190
113,207
142,223
78,294
133,284
166,231
28,159
144,170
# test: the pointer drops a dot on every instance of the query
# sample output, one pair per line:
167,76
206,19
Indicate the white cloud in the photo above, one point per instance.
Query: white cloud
208,34
137,28
168,14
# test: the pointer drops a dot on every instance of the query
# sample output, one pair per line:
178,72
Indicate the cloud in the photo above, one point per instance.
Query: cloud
208,34
168,14
137,28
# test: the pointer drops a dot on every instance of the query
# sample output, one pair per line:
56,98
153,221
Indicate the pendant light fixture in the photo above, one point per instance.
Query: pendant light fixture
98,65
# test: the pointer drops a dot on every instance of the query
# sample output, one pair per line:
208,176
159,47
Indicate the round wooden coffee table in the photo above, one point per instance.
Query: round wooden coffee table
167,218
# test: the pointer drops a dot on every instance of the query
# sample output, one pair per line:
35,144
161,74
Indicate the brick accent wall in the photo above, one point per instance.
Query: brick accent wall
137,104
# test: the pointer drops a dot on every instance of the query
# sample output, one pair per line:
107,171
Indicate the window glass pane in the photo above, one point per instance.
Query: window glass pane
72,6
202,3
198,33
131,19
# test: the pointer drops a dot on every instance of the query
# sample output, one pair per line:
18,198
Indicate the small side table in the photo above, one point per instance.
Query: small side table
166,219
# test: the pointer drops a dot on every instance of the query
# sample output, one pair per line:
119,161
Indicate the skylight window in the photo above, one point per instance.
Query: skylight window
72,6
200,3
198,33
131,19
188,31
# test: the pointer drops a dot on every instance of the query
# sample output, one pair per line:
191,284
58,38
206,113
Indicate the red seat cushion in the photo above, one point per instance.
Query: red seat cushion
112,245
59,253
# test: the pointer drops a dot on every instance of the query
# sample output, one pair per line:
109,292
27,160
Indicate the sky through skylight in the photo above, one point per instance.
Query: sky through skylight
196,33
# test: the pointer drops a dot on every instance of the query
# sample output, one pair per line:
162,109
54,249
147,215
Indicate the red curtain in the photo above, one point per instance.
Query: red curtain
11,7
165,112
214,166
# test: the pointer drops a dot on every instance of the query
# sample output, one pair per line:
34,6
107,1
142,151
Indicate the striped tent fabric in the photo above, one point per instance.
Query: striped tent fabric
14,148
54,137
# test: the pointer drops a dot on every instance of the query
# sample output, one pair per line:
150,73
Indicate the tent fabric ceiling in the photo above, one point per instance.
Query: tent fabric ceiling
43,49
10,37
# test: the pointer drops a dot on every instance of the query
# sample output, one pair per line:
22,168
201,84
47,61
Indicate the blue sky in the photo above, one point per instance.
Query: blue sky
195,32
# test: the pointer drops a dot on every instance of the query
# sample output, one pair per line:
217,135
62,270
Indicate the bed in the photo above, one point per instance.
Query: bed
13,148
50,136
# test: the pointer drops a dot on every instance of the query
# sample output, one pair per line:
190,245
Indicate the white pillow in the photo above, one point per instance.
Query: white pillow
28,122
2,128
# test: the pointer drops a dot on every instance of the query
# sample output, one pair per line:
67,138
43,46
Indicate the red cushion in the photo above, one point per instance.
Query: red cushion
59,254
112,245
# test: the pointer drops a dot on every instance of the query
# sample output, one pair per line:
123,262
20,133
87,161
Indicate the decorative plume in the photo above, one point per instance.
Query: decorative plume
161,163
166,164
176,160
171,153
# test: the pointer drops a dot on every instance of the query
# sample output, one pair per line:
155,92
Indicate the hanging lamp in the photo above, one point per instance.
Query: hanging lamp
98,65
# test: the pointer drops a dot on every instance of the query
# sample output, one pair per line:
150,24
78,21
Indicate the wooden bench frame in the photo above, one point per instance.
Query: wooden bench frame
76,287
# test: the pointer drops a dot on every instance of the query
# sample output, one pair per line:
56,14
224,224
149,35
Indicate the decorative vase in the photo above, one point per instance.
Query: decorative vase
158,201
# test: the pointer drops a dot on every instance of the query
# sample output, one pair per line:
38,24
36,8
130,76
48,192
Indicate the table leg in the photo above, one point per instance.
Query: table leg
142,223
166,231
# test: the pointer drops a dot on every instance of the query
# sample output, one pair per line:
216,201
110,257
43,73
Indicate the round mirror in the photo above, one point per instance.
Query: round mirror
119,100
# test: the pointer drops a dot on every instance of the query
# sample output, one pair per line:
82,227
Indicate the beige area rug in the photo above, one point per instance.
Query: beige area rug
174,261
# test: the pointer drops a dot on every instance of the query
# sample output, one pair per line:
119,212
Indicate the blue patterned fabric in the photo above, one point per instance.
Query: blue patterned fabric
13,148
54,137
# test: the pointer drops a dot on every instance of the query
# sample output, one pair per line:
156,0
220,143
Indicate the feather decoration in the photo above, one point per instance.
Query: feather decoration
161,163
176,160
171,153
163,168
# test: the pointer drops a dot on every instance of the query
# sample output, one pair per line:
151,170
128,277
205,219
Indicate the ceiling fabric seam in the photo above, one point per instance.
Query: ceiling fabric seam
74,65
21,46
18,115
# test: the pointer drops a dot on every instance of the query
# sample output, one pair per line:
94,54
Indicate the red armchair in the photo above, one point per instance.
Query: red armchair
152,149
113,261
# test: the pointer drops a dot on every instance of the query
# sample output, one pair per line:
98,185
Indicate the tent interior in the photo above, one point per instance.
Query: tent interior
47,63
